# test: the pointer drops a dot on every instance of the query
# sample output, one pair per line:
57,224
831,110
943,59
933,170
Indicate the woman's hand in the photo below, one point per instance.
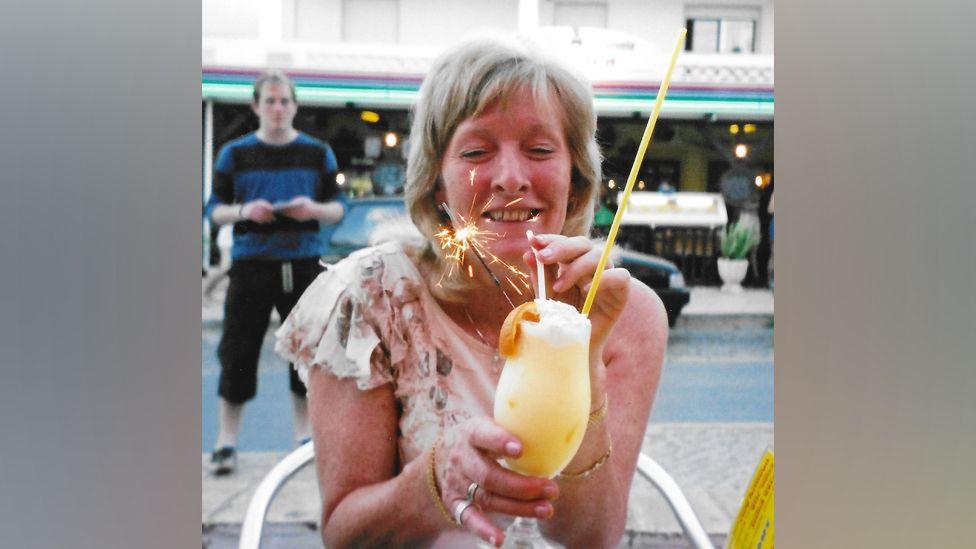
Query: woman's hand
468,455
570,264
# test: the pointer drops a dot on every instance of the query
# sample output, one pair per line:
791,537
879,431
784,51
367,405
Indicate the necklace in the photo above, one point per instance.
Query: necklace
467,313
481,336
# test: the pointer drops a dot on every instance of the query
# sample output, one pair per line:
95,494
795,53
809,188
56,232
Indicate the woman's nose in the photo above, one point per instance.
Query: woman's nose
511,176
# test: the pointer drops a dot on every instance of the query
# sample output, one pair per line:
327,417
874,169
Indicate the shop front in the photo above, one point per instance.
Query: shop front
707,132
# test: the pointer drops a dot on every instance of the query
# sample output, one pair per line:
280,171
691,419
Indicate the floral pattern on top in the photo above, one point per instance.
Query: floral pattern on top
371,317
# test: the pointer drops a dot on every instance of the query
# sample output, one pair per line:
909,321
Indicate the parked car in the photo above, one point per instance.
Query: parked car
362,216
366,214
660,275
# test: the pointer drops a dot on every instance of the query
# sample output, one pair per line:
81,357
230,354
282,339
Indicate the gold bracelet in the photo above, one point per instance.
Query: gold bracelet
592,468
597,416
432,484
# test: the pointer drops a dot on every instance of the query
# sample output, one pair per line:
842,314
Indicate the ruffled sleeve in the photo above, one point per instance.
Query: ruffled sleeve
343,323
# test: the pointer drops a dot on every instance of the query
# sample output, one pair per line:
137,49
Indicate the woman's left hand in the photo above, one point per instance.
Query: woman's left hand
570,264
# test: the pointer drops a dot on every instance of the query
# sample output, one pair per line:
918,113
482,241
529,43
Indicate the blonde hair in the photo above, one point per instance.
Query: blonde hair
466,80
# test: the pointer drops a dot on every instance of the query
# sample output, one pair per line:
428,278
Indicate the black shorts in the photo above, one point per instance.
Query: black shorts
256,287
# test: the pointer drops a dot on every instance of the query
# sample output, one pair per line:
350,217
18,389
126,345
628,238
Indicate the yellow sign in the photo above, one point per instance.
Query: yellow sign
754,525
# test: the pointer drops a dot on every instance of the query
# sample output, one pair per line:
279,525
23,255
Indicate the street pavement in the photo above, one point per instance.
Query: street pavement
712,419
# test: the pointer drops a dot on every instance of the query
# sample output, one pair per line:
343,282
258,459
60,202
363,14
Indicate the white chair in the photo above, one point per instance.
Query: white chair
305,454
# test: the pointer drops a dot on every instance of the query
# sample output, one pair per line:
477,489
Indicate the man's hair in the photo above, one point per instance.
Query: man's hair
466,80
273,76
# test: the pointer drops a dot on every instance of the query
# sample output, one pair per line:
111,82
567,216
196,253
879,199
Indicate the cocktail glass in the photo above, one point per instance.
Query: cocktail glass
543,398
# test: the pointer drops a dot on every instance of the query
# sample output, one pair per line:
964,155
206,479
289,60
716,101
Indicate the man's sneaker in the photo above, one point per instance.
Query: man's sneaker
224,460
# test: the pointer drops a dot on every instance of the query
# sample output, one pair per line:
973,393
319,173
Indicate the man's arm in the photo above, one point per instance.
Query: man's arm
332,212
303,208
222,214
258,210
224,206
328,198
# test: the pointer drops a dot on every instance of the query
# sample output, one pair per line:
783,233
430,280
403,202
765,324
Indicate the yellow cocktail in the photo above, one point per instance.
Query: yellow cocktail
543,395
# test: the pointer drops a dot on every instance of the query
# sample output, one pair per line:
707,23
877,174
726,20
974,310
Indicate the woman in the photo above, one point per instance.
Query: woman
399,345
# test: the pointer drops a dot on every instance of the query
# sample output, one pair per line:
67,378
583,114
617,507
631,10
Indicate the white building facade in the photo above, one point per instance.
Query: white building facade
382,48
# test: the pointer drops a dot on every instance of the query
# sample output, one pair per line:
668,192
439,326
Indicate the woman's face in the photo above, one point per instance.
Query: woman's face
513,152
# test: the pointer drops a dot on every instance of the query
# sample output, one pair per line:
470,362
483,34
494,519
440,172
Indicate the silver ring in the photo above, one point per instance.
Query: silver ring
459,509
472,488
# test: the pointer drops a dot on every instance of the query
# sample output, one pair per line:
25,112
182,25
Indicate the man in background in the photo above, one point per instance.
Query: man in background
275,185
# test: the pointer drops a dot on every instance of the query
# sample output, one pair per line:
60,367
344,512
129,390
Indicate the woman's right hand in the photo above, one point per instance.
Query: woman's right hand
468,454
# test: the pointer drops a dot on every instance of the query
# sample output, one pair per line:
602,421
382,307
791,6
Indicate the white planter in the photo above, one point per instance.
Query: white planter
732,272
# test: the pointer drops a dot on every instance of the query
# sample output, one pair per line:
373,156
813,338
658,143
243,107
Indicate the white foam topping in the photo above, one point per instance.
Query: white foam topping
559,324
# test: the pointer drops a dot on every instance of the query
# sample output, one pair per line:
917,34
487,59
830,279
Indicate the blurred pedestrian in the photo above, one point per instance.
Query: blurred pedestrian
275,185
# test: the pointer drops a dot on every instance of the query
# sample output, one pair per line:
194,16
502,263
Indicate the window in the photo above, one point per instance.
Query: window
371,21
729,30
580,14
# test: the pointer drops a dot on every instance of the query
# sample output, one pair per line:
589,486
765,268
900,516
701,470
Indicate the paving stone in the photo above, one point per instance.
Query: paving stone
706,300
275,536
225,499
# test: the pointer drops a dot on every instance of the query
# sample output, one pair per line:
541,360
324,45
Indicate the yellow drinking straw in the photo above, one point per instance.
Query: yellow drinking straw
645,141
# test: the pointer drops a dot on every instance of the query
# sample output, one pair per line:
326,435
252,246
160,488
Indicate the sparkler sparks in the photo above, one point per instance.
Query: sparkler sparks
509,280
519,199
468,237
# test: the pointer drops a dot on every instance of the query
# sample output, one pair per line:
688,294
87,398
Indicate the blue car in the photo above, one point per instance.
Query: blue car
366,214
362,216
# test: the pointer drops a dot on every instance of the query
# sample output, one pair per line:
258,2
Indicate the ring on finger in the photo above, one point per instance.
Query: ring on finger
459,509
472,488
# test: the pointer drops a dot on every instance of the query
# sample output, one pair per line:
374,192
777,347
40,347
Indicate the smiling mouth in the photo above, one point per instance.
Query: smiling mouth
512,215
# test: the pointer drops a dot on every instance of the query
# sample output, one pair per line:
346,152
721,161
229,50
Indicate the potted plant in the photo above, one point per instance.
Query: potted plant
737,241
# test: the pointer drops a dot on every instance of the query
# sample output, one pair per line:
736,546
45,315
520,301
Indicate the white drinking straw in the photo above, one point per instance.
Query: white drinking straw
540,271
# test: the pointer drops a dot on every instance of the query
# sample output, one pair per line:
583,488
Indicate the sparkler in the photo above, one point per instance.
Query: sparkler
468,237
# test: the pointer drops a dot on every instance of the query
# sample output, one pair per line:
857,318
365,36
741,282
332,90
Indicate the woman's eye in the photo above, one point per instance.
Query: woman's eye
542,150
473,153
